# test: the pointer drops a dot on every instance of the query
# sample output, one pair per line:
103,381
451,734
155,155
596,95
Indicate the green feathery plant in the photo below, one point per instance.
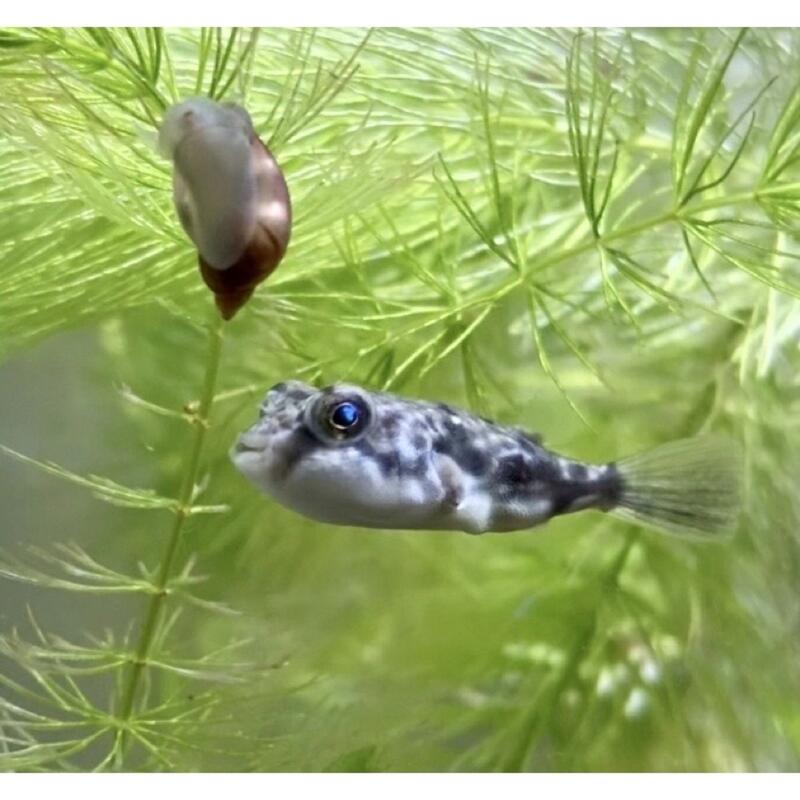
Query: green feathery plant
594,235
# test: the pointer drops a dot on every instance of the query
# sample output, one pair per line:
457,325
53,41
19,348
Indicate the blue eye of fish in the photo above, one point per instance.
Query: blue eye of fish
337,416
345,415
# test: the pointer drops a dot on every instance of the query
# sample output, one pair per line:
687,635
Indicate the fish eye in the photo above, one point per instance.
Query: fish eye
338,414
344,416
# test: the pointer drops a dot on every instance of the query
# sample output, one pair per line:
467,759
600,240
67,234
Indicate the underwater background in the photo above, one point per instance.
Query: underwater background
592,235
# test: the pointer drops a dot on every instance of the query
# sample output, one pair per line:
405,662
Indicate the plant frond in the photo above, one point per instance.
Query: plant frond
102,488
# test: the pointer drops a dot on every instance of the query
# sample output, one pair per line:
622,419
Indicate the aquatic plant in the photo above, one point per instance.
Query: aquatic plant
592,235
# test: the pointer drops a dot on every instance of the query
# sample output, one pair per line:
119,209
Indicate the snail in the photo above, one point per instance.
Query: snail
230,195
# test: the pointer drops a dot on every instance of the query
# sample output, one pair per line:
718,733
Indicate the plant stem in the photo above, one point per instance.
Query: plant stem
182,512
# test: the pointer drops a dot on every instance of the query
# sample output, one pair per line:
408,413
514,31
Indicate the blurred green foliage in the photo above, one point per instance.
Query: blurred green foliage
593,235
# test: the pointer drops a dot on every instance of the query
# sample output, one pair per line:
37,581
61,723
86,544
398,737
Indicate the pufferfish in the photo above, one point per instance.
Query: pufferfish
348,456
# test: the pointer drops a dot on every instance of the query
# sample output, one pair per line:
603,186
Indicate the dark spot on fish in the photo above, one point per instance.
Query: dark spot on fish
521,476
441,444
513,471
420,465
548,470
419,442
389,424
364,446
609,485
473,460
428,421
565,498
298,394
574,494
388,462
457,446
299,445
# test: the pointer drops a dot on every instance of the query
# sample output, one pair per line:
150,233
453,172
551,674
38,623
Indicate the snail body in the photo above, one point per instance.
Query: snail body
230,195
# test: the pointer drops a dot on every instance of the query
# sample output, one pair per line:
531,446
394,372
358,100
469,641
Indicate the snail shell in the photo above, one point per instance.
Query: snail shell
230,194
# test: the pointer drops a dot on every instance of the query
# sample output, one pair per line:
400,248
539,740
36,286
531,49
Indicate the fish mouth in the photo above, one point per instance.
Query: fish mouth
243,447
247,458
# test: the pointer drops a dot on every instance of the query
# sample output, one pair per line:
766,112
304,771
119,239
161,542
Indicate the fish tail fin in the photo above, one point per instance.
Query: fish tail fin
689,487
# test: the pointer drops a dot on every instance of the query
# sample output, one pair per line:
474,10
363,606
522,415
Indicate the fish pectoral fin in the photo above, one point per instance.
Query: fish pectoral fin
452,483
464,508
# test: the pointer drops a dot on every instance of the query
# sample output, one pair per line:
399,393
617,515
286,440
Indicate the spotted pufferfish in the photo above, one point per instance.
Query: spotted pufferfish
349,456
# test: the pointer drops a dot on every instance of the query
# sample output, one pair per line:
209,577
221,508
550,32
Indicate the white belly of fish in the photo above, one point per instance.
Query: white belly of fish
363,497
